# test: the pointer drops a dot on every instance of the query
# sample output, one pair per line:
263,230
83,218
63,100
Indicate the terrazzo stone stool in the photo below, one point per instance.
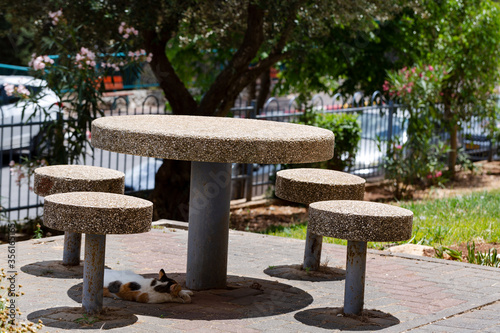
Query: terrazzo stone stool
96,214
76,178
310,185
359,222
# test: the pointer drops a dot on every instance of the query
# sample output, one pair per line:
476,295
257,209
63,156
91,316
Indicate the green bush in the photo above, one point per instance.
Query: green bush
347,131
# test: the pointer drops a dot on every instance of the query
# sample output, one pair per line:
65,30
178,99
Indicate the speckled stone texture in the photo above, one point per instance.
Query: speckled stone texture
361,221
97,213
310,185
77,178
212,139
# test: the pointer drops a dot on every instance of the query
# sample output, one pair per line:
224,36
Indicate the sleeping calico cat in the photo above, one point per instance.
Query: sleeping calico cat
134,287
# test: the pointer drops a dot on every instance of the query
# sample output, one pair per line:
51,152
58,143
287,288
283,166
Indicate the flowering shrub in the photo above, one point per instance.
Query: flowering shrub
76,76
40,62
419,86
420,160
20,90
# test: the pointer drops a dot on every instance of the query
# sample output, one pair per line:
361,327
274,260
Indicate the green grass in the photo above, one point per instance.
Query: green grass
456,220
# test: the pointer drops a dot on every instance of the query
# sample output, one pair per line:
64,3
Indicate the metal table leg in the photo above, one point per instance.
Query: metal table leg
355,277
93,273
208,236
312,253
72,246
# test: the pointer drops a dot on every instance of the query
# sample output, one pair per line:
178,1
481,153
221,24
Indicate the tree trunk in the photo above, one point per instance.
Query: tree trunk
171,194
252,92
453,130
452,161
265,85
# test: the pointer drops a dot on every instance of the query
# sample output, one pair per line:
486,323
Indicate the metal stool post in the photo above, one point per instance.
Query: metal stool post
93,273
354,295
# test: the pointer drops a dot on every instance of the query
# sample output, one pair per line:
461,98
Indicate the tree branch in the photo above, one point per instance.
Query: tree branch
179,97
244,79
253,39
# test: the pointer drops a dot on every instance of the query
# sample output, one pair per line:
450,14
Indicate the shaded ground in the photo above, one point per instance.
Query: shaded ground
269,213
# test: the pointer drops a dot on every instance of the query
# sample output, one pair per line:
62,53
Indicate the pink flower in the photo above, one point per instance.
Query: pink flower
429,176
399,147
55,16
438,174
408,89
9,90
385,86
431,68
22,90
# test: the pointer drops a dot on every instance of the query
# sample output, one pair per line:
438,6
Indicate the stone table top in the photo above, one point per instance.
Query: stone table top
77,178
212,139
306,185
360,221
97,213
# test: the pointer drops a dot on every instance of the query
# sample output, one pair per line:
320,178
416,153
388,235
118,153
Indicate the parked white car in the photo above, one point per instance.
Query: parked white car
375,127
22,130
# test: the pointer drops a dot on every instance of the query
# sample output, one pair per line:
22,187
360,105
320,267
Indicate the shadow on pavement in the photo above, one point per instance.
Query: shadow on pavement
75,318
54,269
295,272
334,319
245,297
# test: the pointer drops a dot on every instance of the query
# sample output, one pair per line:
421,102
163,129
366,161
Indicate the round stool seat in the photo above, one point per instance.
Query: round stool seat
309,185
97,213
360,221
77,178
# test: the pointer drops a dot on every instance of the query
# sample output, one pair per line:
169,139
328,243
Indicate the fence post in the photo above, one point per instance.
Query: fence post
390,122
249,167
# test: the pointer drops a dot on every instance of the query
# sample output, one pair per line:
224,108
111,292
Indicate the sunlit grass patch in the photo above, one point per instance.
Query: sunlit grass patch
456,220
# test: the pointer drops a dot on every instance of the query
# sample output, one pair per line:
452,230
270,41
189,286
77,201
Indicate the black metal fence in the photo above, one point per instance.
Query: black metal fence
377,119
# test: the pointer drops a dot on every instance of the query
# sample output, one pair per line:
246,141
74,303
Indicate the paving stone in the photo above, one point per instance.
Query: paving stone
441,329
452,292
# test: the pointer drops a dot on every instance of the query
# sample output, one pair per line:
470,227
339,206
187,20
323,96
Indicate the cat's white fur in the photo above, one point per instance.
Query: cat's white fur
184,296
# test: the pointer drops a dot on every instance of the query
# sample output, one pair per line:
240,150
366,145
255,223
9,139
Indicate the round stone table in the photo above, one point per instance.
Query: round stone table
211,144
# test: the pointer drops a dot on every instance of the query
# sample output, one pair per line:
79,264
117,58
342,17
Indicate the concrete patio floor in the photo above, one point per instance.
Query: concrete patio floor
266,289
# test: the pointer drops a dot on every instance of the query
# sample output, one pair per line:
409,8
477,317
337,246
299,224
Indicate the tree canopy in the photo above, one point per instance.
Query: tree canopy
204,52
